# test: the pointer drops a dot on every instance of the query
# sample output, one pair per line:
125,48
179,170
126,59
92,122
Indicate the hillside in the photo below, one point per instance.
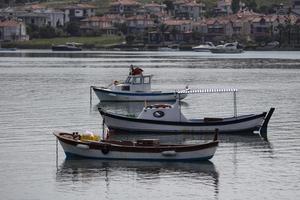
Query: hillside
103,4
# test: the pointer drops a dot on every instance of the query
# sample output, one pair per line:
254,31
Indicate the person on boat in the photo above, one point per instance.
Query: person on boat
135,70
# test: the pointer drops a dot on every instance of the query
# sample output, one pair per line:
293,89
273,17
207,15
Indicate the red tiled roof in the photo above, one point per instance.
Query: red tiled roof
176,22
96,19
154,5
9,23
80,6
125,2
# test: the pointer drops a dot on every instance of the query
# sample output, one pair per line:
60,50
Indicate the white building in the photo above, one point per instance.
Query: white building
11,30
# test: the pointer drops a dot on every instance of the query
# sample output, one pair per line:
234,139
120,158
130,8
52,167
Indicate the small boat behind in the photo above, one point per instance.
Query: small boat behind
136,87
144,149
69,46
228,48
204,47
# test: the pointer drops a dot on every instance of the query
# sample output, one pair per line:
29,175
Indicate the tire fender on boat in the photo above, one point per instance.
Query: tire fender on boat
105,148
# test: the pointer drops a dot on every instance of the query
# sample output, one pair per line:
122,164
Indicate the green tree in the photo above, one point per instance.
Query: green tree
130,39
169,4
72,28
235,6
251,4
47,32
162,30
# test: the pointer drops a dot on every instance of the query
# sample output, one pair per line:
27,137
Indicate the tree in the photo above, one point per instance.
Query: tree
235,6
162,30
251,4
47,32
169,4
130,39
72,28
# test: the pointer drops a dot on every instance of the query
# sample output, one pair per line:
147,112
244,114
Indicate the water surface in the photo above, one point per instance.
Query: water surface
43,91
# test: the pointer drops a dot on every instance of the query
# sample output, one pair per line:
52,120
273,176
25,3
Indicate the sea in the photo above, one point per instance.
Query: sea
43,91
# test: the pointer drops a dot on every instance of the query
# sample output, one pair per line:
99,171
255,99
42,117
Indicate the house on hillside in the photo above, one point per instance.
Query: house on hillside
223,7
12,30
77,12
100,25
188,9
35,14
124,7
139,23
296,7
154,8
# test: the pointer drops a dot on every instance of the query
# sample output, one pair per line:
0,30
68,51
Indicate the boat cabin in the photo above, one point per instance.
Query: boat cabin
134,83
163,112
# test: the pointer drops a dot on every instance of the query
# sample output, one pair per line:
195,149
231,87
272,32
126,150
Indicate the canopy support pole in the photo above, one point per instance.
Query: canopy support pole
91,96
234,104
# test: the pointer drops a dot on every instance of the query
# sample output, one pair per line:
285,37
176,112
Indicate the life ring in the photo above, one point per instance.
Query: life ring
105,148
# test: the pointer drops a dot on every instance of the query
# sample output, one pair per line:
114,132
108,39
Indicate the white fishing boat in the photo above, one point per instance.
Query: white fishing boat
136,87
204,47
227,48
145,149
168,118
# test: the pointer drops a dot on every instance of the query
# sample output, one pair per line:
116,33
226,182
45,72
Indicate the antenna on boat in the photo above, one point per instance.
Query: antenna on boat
103,129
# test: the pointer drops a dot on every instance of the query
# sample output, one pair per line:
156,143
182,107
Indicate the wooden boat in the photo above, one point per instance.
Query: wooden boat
167,118
136,87
145,149
70,46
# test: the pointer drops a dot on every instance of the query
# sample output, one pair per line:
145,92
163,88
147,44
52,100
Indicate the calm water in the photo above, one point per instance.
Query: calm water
41,92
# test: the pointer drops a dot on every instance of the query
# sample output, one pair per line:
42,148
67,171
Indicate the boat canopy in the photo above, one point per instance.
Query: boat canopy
206,91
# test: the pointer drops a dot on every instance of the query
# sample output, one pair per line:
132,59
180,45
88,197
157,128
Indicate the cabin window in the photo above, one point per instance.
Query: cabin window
125,88
128,80
137,80
147,80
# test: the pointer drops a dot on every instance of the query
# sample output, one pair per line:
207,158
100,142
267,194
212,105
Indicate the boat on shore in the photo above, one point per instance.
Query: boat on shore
144,149
136,87
69,46
168,118
228,48
204,47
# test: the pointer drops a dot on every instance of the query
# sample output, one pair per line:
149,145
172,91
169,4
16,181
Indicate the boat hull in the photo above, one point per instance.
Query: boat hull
65,48
94,150
109,95
201,50
241,124
216,50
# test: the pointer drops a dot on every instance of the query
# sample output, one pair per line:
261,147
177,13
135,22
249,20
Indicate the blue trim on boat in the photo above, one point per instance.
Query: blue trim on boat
134,93
233,121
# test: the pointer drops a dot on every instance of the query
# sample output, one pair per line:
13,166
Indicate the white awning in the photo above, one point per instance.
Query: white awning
188,91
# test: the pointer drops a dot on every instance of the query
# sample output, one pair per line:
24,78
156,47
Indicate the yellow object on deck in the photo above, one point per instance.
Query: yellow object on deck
89,137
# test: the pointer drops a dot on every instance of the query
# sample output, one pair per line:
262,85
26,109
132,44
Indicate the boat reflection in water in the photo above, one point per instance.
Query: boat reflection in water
89,170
